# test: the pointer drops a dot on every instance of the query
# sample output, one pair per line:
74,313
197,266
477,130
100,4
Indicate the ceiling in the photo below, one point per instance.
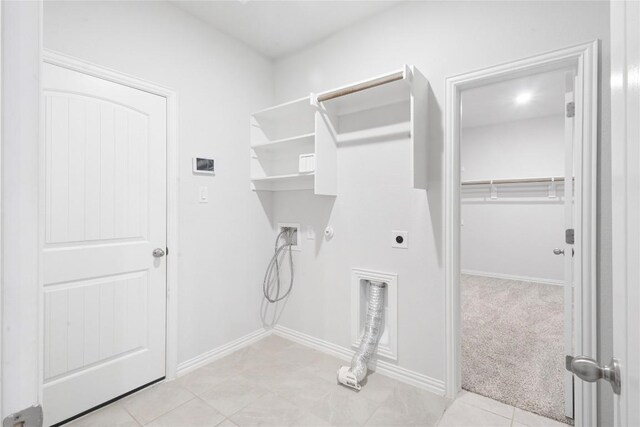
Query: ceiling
277,28
496,103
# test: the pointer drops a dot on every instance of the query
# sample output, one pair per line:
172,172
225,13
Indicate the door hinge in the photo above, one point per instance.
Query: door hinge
30,417
570,236
571,109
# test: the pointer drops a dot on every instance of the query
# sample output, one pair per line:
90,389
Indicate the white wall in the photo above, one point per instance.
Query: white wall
20,108
219,81
442,39
514,235
519,149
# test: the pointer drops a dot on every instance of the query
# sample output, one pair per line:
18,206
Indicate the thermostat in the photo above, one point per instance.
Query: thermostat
204,166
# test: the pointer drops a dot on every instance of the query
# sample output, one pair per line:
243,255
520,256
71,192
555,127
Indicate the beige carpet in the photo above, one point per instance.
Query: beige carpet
512,343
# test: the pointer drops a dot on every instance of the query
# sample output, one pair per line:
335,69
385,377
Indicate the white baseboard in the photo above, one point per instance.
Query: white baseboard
219,352
514,277
385,368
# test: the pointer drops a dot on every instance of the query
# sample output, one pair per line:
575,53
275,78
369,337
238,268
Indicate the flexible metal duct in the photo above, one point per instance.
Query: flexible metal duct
372,330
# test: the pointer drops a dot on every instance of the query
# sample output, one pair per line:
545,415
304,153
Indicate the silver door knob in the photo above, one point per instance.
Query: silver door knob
158,253
557,251
590,370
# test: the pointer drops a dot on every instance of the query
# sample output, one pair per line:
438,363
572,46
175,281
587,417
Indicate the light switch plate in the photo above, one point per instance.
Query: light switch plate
203,195
400,239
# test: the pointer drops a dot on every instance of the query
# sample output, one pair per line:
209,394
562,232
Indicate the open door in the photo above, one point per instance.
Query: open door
625,143
568,251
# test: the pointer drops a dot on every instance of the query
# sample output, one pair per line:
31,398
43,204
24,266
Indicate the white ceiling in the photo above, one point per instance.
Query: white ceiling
277,28
496,103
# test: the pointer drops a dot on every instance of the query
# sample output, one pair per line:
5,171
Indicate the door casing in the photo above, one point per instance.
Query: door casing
59,59
584,58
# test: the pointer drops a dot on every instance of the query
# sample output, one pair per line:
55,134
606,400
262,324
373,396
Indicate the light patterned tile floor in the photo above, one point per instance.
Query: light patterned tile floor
473,410
276,382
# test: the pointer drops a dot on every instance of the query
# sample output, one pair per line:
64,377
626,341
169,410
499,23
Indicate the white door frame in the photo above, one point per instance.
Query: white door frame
59,59
584,58
21,31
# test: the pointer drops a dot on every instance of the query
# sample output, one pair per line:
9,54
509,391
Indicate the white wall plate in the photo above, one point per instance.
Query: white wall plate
400,239
298,245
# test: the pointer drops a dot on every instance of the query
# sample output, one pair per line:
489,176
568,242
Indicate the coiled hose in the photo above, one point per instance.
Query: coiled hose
274,265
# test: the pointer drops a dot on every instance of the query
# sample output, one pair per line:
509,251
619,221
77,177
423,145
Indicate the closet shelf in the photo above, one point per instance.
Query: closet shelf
306,138
515,181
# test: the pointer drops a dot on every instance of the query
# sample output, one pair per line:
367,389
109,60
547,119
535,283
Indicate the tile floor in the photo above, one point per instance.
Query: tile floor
276,382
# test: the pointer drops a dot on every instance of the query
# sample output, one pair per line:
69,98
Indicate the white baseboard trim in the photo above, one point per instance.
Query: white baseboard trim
383,367
219,352
513,277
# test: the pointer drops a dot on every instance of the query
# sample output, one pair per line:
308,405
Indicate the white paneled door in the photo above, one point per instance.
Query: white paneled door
104,207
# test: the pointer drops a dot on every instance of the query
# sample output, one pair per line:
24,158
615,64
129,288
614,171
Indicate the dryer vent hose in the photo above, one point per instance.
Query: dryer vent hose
352,376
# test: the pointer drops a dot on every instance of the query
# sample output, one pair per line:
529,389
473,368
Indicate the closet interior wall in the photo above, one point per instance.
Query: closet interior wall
512,236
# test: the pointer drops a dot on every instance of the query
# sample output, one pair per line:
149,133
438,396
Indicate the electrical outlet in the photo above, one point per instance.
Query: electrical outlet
400,239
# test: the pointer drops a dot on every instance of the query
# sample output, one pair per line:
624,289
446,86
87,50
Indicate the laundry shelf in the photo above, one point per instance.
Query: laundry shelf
388,107
296,181
280,137
284,143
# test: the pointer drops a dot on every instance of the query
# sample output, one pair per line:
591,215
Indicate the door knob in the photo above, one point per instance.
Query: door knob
158,253
589,370
557,251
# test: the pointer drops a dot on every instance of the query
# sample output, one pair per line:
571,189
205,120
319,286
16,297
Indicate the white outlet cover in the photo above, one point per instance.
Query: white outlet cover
400,239
311,234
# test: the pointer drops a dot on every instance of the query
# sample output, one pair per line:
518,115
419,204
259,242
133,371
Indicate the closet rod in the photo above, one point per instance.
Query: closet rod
361,86
514,181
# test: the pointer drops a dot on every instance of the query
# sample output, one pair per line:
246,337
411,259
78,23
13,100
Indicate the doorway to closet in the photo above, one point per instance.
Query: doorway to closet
516,237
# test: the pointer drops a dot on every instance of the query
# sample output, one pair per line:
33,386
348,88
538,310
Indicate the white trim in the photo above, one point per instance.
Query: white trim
387,348
2,415
385,368
62,60
219,352
584,58
514,277
20,300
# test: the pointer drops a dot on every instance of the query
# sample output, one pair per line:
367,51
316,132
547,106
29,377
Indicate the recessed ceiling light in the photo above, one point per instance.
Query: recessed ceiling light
523,98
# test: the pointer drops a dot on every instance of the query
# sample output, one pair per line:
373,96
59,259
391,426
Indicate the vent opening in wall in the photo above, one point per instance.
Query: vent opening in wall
388,344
